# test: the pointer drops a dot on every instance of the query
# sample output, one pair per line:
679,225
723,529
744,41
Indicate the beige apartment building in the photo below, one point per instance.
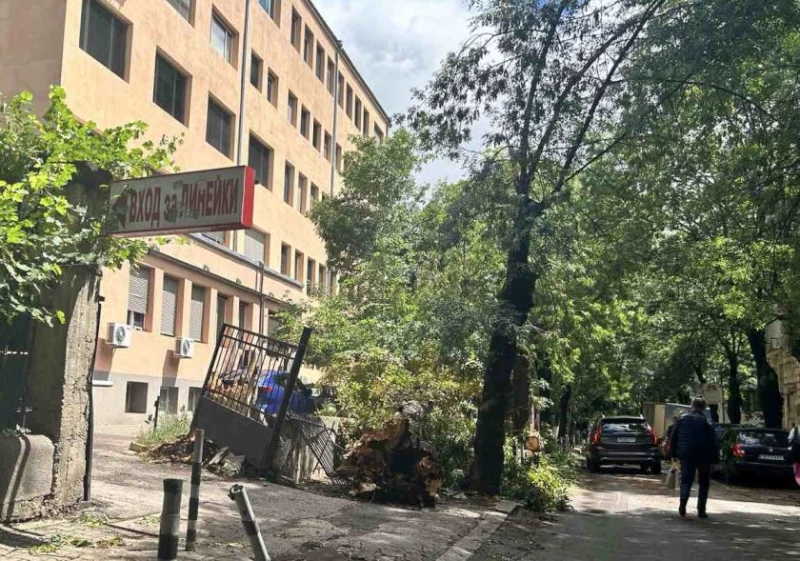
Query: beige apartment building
272,89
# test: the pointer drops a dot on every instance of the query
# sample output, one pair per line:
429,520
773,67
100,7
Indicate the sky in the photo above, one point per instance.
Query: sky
396,46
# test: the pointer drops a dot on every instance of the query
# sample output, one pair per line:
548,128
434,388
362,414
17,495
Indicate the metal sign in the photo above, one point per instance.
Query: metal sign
197,201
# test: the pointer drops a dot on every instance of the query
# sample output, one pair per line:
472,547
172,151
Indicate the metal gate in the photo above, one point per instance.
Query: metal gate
14,341
250,388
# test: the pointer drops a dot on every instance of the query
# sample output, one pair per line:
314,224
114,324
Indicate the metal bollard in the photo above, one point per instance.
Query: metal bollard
239,495
170,520
194,493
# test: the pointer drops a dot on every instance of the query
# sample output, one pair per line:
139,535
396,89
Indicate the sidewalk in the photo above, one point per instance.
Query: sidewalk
122,522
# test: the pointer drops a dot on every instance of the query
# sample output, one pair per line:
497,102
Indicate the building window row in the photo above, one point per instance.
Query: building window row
298,191
314,276
200,326
300,117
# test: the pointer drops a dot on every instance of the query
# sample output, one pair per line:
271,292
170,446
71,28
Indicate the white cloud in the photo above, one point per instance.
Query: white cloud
397,46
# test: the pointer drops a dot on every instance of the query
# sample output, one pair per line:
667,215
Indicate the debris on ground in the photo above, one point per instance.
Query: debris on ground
393,464
181,450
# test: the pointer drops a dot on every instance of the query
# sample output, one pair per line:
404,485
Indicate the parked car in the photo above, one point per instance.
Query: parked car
755,451
271,388
623,441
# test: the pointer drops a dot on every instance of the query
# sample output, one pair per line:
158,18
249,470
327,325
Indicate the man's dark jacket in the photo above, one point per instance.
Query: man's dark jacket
693,439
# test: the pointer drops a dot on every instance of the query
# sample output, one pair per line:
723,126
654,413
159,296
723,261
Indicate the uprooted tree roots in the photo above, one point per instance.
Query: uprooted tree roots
392,464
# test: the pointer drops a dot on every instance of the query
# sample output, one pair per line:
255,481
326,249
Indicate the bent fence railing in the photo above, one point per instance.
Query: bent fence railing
251,392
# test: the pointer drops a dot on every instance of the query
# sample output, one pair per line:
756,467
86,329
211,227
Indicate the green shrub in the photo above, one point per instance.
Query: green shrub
538,483
451,436
170,428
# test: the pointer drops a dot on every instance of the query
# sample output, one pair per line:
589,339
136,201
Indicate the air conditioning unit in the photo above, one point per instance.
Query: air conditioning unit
119,335
184,347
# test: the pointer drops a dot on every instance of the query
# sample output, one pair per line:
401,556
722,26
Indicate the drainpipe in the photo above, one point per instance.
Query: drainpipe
245,58
335,115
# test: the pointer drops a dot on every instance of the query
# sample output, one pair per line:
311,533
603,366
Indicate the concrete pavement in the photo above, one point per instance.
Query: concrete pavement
626,516
296,525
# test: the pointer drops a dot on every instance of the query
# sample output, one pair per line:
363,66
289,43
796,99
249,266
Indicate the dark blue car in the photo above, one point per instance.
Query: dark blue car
271,389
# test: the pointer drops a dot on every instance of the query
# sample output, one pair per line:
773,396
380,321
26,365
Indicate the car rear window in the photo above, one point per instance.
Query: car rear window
762,438
624,426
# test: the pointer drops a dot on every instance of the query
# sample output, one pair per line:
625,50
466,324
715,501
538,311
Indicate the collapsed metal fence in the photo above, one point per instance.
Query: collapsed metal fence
252,390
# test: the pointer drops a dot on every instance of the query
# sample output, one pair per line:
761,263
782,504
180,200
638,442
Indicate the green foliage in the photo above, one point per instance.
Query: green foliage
43,229
170,428
540,483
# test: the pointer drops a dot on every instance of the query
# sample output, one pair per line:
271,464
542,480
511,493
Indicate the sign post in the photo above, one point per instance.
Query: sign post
197,201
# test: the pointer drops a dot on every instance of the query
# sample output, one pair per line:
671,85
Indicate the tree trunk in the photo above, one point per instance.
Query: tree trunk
563,411
515,301
734,391
545,374
769,395
520,394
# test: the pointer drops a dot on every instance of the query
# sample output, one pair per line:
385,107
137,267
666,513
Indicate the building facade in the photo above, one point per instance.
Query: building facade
783,356
272,89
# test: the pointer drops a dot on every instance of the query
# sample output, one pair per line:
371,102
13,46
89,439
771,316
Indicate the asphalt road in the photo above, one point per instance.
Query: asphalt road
623,515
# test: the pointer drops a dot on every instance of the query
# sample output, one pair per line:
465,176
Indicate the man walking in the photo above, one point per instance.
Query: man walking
694,443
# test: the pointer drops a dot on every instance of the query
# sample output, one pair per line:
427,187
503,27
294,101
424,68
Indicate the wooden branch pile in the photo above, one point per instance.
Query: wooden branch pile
392,464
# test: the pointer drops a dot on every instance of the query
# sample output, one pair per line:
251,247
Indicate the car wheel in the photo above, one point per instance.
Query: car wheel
656,467
592,466
643,468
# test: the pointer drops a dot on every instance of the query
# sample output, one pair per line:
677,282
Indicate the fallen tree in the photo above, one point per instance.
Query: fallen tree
393,464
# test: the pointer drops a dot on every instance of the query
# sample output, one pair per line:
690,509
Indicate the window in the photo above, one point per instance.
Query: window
340,91
168,400
184,7
294,32
104,36
259,157
272,88
256,65
305,123
273,325
311,272
218,237
194,399
308,48
285,264
169,89
254,244
271,7
302,188
320,64
316,136
349,106
136,397
365,128
291,109
331,76
338,158
314,195
222,309
138,296
327,148
218,128
243,314
332,283
298,265
358,114
378,134
198,310
323,277
222,38
169,306
288,183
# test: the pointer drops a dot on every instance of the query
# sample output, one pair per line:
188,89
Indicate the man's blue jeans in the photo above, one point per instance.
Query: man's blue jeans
688,468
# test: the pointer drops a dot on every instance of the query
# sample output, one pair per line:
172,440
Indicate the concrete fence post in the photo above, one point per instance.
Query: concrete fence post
170,520
238,494
194,493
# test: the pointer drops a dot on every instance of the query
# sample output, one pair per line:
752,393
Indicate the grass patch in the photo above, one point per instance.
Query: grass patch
54,543
170,428
93,519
